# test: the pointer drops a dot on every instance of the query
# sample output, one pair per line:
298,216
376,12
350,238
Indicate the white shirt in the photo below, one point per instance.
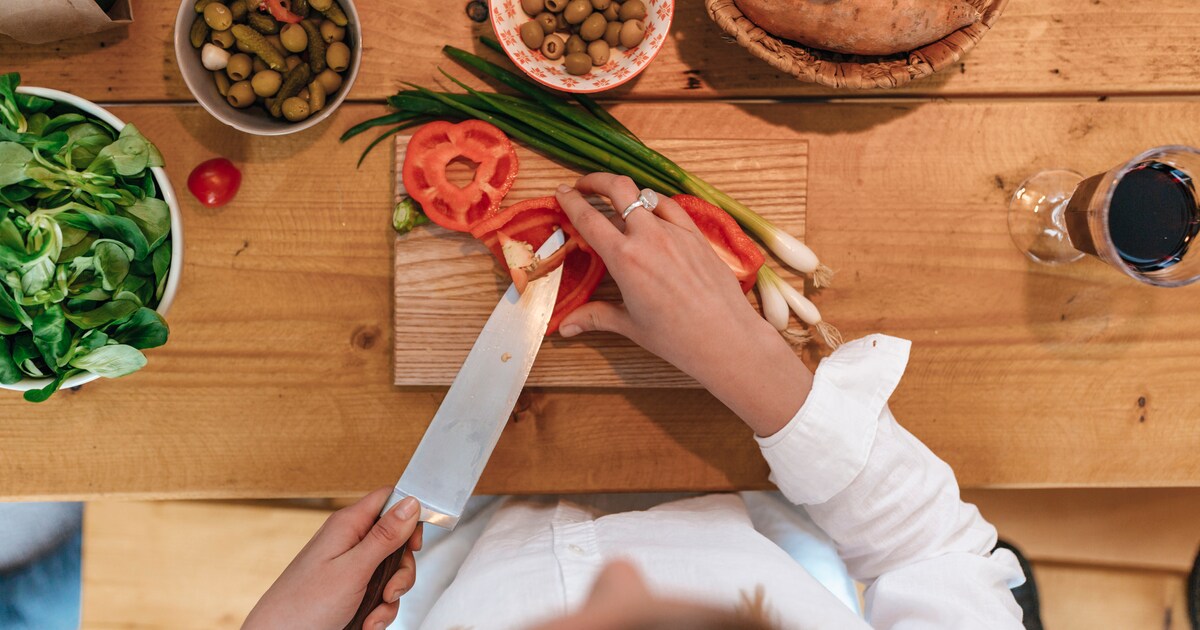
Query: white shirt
889,504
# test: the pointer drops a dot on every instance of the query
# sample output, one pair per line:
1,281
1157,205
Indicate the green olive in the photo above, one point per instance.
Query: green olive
593,27
613,12
293,37
337,56
218,16
330,80
577,63
295,109
292,61
599,52
224,39
533,7
632,10
575,44
331,32
552,47
223,82
556,6
601,5
259,65
632,33
237,9
612,34
547,21
266,83
239,67
240,95
561,25
532,34
576,11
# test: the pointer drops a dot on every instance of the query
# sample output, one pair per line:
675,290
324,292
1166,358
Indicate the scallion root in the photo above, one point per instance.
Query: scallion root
829,334
822,276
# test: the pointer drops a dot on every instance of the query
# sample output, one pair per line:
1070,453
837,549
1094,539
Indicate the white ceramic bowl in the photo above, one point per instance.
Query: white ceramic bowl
253,120
168,195
623,65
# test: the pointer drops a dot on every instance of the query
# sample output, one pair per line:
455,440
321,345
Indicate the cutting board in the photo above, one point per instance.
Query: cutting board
447,283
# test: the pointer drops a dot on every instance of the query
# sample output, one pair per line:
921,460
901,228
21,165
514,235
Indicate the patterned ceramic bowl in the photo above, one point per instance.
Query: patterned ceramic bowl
623,65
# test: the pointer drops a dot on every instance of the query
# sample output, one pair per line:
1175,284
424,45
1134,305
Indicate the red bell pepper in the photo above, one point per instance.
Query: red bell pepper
530,223
431,150
732,245
281,11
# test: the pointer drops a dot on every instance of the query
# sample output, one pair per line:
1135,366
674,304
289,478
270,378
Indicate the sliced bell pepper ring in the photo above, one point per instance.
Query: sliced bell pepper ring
732,245
527,225
281,11
431,150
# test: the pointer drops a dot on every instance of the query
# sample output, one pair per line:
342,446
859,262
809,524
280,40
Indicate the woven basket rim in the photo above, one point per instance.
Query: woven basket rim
846,71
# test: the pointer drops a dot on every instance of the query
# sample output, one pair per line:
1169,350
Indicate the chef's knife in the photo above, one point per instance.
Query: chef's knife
445,467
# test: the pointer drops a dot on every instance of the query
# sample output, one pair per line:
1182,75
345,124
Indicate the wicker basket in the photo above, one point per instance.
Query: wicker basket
851,71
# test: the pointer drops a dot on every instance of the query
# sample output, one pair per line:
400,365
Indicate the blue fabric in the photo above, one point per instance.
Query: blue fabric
45,594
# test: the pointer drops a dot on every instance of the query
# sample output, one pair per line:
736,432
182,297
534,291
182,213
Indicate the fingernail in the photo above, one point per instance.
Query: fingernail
395,596
563,188
379,625
408,507
570,330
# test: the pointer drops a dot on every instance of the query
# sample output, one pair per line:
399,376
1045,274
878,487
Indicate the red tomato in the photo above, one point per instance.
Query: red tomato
533,221
434,146
215,182
732,245
281,11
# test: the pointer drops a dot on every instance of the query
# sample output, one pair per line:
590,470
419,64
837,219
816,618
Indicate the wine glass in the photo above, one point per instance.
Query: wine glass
1140,217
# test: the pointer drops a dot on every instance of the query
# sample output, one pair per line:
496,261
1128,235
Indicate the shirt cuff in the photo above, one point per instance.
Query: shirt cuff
824,447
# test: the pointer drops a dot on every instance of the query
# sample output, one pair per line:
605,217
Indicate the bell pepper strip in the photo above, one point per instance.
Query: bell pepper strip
520,229
281,11
732,245
431,150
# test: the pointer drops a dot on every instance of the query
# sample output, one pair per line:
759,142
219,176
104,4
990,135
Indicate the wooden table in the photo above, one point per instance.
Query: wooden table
276,379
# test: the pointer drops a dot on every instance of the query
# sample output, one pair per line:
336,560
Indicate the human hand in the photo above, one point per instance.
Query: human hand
682,303
325,583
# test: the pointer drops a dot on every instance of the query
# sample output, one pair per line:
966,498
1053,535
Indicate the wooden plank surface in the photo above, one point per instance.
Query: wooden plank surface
132,554
1150,529
1038,47
277,379
447,283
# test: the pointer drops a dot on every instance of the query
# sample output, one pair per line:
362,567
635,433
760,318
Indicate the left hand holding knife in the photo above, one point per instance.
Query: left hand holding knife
324,585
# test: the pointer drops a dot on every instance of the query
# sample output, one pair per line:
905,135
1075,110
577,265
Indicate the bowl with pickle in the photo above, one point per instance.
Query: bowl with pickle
582,46
268,67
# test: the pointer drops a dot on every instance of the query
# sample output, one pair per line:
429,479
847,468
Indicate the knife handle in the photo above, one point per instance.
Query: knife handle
374,594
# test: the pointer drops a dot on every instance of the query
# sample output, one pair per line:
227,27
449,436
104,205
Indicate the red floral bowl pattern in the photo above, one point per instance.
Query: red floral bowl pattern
623,65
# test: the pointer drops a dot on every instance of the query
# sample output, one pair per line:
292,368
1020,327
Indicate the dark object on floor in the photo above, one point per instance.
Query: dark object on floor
1027,593
1193,594
477,11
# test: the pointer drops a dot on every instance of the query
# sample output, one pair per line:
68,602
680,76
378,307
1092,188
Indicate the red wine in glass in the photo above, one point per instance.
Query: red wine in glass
1140,217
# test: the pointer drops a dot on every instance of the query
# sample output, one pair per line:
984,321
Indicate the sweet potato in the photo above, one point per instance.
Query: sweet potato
861,27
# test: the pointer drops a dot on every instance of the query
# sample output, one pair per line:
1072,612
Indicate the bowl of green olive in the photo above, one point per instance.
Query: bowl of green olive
582,45
268,67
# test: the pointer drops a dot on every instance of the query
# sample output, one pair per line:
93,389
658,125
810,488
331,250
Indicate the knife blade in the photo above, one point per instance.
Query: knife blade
444,469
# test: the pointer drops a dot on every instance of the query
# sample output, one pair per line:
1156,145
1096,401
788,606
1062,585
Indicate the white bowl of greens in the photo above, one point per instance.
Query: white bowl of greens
90,242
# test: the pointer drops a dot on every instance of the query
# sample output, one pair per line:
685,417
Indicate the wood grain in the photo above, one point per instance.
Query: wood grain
132,554
1038,48
279,364
1151,529
447,283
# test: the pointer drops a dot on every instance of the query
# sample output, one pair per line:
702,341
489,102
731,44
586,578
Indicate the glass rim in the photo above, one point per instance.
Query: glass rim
1100,204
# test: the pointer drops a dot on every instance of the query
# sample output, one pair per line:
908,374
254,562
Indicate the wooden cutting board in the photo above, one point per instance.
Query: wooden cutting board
447,283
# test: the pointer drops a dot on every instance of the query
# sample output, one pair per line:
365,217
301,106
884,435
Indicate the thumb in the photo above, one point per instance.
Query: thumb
388,534
596,316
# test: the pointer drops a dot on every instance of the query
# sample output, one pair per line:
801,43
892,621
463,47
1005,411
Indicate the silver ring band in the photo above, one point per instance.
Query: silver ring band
647,199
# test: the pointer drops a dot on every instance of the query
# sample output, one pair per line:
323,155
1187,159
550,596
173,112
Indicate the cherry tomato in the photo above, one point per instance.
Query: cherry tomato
215,182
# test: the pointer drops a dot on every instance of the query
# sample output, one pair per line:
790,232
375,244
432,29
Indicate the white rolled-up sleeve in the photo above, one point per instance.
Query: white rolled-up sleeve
891,505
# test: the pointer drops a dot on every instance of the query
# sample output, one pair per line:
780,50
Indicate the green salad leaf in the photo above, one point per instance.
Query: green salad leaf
85,244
